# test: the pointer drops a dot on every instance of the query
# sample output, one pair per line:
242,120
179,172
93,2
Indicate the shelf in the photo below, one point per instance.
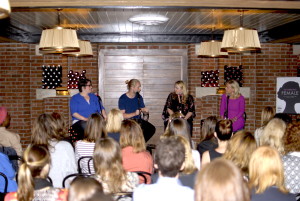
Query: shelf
211,91
51,93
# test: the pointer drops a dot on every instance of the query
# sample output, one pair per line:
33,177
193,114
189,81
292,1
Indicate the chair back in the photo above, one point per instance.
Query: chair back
143,175
85,159
74,176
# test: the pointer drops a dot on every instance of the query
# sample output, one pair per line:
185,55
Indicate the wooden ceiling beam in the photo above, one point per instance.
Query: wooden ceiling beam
250,4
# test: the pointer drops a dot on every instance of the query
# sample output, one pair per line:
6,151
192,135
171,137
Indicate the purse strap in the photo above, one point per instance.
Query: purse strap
226,112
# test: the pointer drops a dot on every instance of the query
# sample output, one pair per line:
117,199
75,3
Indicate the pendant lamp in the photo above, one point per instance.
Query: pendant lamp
4,9
85,49
211,49
240,39
59,39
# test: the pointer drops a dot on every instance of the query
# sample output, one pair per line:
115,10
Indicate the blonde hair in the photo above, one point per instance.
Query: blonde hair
108,164
79,193
221,180
235,86
266,170
208,129
182,85
239,150
132,83
114,121
189,164
273,133
95,128
132,135
36,158
266,115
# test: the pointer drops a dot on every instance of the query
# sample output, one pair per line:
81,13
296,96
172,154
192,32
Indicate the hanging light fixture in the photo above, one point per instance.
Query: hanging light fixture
240,39
85,49
211,48
4,9
59,39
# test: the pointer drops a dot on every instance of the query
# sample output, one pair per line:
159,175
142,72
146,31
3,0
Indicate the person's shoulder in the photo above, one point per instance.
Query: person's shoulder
123,96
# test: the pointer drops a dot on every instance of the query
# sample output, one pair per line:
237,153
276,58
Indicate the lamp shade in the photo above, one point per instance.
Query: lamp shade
85,49
240,39
4,8
211,48
59,40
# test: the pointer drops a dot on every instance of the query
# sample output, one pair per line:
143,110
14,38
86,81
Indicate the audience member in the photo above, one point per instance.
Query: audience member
61,124
223,134
291,159
273,133
266,115
239,150
169,159
207,138
134,154
284,117
47,132
109,169
221,180
95,129
32,178
179,126
113,124
7,169
8,138
266,178
83,189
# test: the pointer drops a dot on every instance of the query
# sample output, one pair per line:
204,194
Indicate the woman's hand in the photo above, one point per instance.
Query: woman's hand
233,119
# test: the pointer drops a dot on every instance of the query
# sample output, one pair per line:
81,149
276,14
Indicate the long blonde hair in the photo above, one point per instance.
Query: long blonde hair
182,85
266,115
114,121
235,86
266,170
95,128
272,134
221,180
36,164
108,164
132,135
239,150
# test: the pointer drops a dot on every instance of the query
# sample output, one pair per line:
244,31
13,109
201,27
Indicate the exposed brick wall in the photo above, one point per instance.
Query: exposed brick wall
21,76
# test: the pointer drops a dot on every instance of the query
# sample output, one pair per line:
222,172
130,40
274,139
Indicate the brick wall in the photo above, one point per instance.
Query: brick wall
21,76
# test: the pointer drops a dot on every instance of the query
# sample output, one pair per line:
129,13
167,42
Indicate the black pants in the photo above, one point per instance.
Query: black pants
147,127
78,128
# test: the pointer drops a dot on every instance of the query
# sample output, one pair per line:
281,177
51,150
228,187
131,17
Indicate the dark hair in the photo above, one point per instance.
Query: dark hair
169,156
284,117
83,83
224,129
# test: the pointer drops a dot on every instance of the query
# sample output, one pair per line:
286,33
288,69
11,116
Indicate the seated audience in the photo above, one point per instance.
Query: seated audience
113,124
207,138
223,134
266,115
32,178
180,126
95,129
7,169
135,157
266,178
272,134
169,159
86,189
291,158
221,180
47,132
8,138
239,150
109,169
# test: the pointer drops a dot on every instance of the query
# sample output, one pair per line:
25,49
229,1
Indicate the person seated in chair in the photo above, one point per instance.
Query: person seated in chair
169,159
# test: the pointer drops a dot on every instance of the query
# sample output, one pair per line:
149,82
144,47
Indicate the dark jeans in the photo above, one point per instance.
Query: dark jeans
79,127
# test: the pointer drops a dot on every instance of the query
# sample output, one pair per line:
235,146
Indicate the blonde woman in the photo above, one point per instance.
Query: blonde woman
266,178
239,150
182,102
134,154
94,130
266,115
221,180
109,169
233,105
272,135
46,131
113,123
32,178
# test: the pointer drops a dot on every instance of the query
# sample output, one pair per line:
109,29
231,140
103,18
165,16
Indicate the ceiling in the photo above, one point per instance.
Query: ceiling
187,24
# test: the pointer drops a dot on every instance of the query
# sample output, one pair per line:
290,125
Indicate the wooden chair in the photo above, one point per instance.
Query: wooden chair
74,175
89,159
143,175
